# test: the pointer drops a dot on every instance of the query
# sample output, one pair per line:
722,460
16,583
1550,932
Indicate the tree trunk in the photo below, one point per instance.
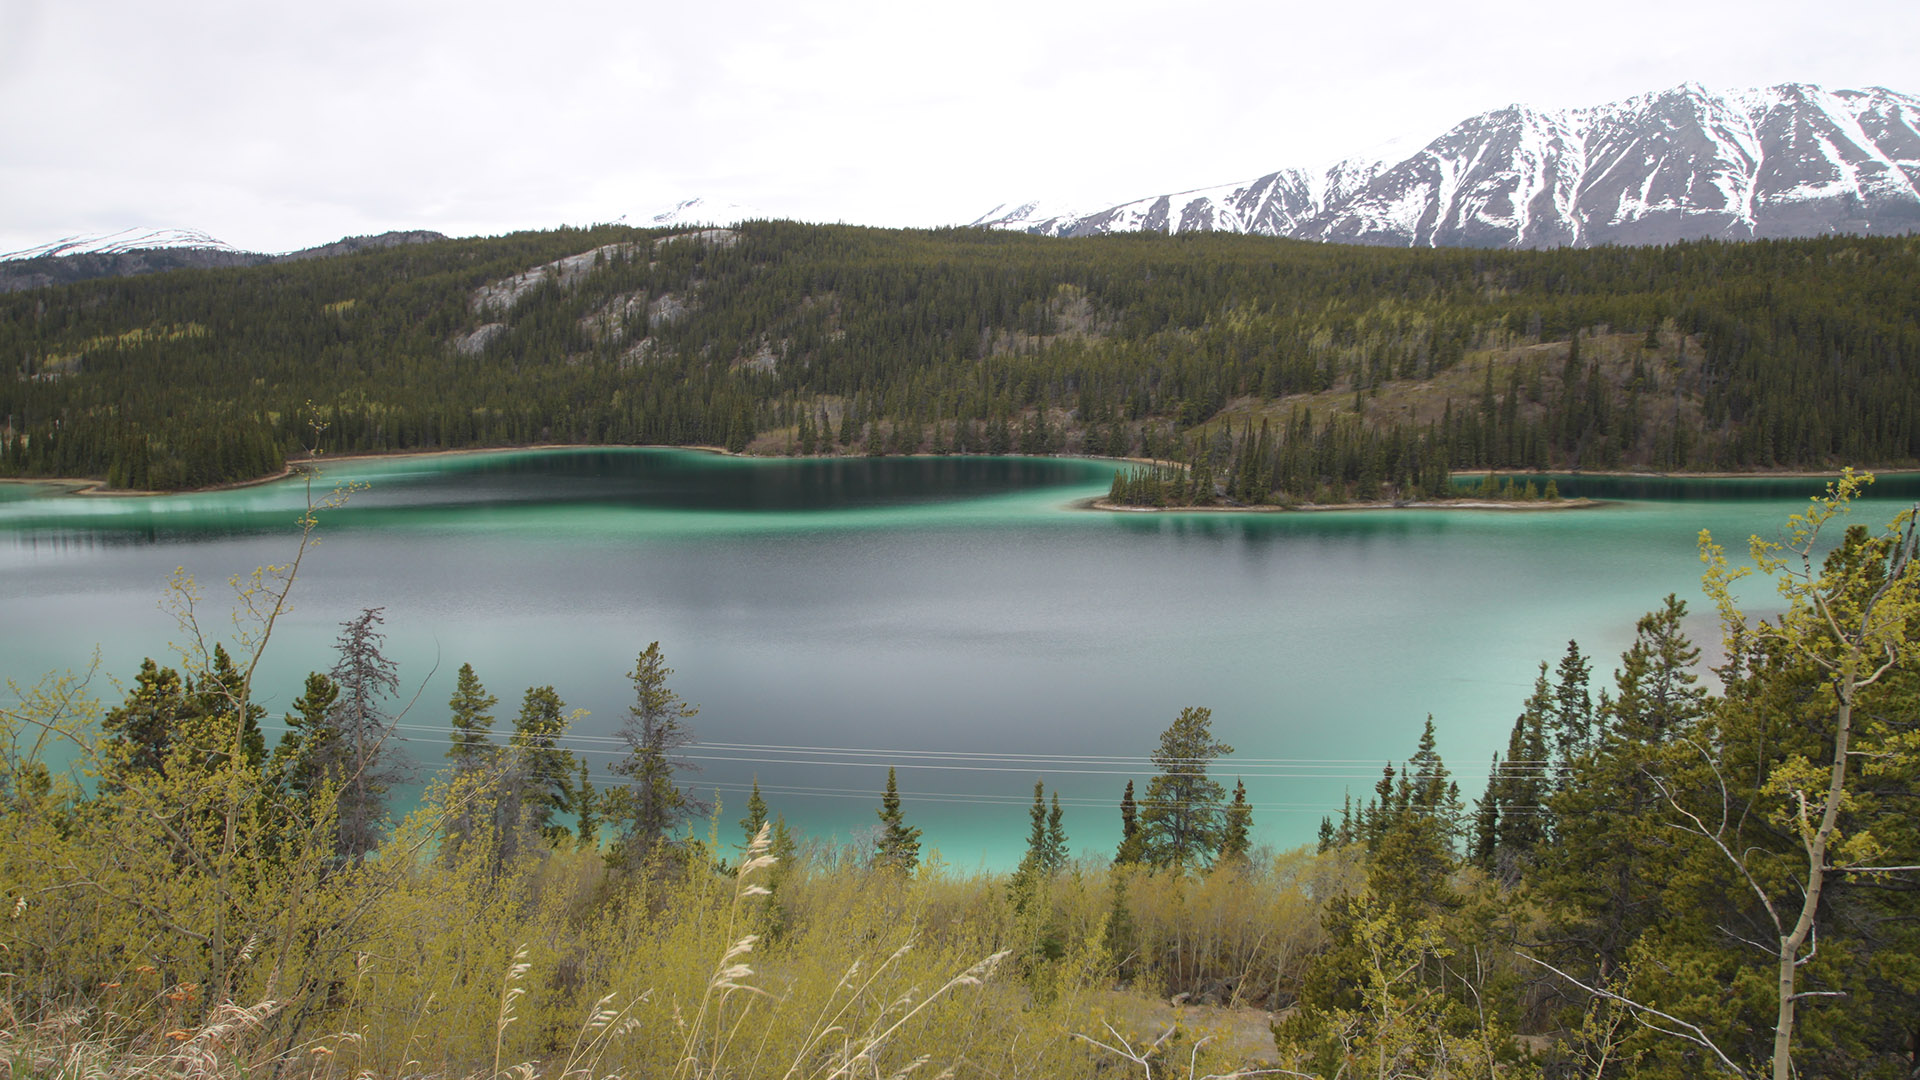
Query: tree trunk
1791,943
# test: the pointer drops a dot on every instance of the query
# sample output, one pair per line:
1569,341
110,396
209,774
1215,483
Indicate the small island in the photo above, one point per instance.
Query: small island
1170,486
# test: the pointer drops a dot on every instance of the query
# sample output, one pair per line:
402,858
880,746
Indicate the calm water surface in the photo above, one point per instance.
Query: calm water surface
954,618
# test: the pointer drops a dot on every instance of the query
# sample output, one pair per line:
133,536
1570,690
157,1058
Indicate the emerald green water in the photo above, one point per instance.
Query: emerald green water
955,618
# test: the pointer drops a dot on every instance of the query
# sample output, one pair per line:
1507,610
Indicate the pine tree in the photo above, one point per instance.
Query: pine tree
297,765
1598,877
476,794
471,707
1236,834
1572,711
586,808
898,847
140,732
756,815
653,806
1132,841
1056,846
366,763
1180,817
542,773
1035,858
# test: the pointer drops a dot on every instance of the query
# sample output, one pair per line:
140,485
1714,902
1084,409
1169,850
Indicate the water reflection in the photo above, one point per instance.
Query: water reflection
468,487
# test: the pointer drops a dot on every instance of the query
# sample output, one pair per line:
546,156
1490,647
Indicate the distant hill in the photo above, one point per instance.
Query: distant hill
1352,370
147,251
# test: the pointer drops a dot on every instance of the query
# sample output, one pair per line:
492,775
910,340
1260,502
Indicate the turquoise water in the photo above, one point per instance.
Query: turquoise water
956,618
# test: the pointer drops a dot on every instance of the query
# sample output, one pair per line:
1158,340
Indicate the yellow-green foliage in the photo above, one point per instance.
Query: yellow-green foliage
147,335
423,961
1238,934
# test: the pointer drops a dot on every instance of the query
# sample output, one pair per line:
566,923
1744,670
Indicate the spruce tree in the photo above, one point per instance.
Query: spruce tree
297,766
140,732
1036,854
898,847
756,815
476,795
654,805
1572,711
1236,834
471,708
542,773
586,808
1056,846
365,764
1181,815
1599,876
1132,841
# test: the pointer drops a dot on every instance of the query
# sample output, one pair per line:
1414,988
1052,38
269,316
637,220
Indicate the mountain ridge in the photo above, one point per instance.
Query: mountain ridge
129,252
1685,163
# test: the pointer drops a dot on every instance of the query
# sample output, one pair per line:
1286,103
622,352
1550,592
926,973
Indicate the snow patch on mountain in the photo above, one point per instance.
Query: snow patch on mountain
699,211
125,240
1786,160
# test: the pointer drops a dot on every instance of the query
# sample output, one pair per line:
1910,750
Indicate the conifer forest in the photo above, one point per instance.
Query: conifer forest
1294,371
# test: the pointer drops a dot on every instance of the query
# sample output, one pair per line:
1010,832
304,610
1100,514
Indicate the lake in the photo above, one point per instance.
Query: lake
955,618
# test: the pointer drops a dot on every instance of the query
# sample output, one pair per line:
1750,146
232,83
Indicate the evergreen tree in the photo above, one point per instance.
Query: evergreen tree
1181,815
1035,858
541,776
1598,877
208,723
471,707
1573,711
365,765
1515,806
1056,847
756,815
653,806
1236,835
1483,845
1133,842
898,847
476,795
140,732
586,808
298,765
1352,993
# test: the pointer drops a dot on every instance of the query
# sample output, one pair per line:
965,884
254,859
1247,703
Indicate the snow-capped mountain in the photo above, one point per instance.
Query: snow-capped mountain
147,251
698,211
125,240
1789,160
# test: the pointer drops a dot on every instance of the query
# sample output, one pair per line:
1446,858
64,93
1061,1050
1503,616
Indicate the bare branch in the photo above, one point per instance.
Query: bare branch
1700,828
1692,1033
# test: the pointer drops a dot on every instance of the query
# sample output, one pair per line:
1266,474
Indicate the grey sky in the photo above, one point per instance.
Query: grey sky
275,126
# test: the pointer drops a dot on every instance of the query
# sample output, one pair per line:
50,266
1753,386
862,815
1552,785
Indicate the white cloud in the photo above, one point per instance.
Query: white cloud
274,126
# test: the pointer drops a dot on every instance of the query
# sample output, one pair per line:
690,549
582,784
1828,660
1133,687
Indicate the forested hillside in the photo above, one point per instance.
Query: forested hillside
1372,371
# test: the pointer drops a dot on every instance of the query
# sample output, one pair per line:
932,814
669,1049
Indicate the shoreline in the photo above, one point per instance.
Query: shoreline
1536,505
98,488
95,488
1631,474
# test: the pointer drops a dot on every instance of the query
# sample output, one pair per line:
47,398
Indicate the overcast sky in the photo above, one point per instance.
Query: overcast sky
276,126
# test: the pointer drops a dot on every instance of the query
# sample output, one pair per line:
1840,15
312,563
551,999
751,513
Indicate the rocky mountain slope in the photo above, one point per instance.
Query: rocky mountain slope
1789,160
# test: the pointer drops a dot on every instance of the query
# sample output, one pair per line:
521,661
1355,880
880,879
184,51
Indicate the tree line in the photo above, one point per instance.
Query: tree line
780,338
